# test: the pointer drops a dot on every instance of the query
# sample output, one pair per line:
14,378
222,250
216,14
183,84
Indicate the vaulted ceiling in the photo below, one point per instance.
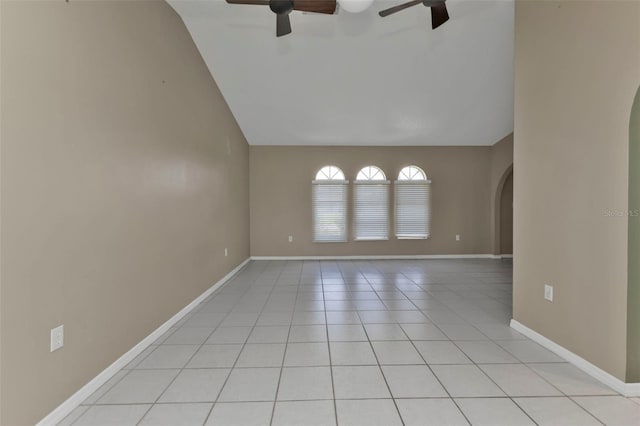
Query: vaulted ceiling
358,79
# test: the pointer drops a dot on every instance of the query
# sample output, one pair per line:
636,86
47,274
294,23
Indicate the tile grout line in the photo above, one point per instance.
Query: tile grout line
563,394
284,354
191,357
476,365
395,404
489,377
473,363
182,321
239,353
326,326
434,374
351,287
588,412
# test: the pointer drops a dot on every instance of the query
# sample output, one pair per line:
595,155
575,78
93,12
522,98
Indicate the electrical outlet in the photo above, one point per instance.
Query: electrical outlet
290,238
548,292
226,252
57,338
457,237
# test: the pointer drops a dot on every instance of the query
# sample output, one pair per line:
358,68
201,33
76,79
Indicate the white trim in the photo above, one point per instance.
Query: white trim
502,256
372,182
409,182
329,182
84,392
381,257
626,389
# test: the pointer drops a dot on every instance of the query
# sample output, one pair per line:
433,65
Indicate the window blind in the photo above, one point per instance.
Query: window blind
412,209
371,210
329,211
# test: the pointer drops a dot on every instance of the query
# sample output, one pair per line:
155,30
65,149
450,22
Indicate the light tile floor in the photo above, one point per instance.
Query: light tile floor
354,343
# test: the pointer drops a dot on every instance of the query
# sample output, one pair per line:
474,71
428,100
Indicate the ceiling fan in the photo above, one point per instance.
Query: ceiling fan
439,14
282,8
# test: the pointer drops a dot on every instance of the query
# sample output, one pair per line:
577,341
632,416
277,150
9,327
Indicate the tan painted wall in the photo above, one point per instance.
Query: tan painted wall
281,198
577,70
124,176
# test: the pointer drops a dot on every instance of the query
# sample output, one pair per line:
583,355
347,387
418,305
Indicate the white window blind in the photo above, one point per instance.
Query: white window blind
329,198
371,205
412,204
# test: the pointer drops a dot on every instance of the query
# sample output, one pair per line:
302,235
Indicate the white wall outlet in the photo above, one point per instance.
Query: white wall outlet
548,292
226,252
57,338
457,237
290,238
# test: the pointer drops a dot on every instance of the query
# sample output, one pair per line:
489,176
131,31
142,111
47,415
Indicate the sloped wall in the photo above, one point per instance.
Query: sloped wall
124,177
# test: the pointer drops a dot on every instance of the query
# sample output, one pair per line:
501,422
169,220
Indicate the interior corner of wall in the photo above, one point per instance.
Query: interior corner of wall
633,248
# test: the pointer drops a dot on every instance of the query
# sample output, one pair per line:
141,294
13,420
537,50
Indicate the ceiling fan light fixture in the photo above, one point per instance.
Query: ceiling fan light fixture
355,6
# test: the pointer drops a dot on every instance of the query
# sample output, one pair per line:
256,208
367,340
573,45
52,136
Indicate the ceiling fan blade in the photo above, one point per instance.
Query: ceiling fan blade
439,15
398,8
259,2
316,6
283,24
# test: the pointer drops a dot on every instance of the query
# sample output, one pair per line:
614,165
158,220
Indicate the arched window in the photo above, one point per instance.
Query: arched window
330,173
413,204
412,173
370,173
329,198
371,205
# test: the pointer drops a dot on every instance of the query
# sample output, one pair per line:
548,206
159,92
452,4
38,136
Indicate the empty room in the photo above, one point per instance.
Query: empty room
319,212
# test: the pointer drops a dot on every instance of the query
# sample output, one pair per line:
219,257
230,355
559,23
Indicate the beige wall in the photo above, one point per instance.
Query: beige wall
124,176
281,198
577,69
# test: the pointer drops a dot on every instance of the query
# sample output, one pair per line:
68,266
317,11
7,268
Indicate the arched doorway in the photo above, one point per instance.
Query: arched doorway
506,216
503,206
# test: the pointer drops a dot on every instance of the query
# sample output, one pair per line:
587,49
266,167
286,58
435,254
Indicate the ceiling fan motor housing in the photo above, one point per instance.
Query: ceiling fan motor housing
281,7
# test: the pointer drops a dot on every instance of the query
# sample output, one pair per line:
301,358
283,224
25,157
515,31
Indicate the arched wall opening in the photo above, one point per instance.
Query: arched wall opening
501,222
506,216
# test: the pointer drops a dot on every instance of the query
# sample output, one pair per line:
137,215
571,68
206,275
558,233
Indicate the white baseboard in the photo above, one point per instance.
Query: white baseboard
76,399
626,389
503,256
380,257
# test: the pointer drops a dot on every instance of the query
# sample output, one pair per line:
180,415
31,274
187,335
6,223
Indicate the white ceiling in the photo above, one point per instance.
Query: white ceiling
358,79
